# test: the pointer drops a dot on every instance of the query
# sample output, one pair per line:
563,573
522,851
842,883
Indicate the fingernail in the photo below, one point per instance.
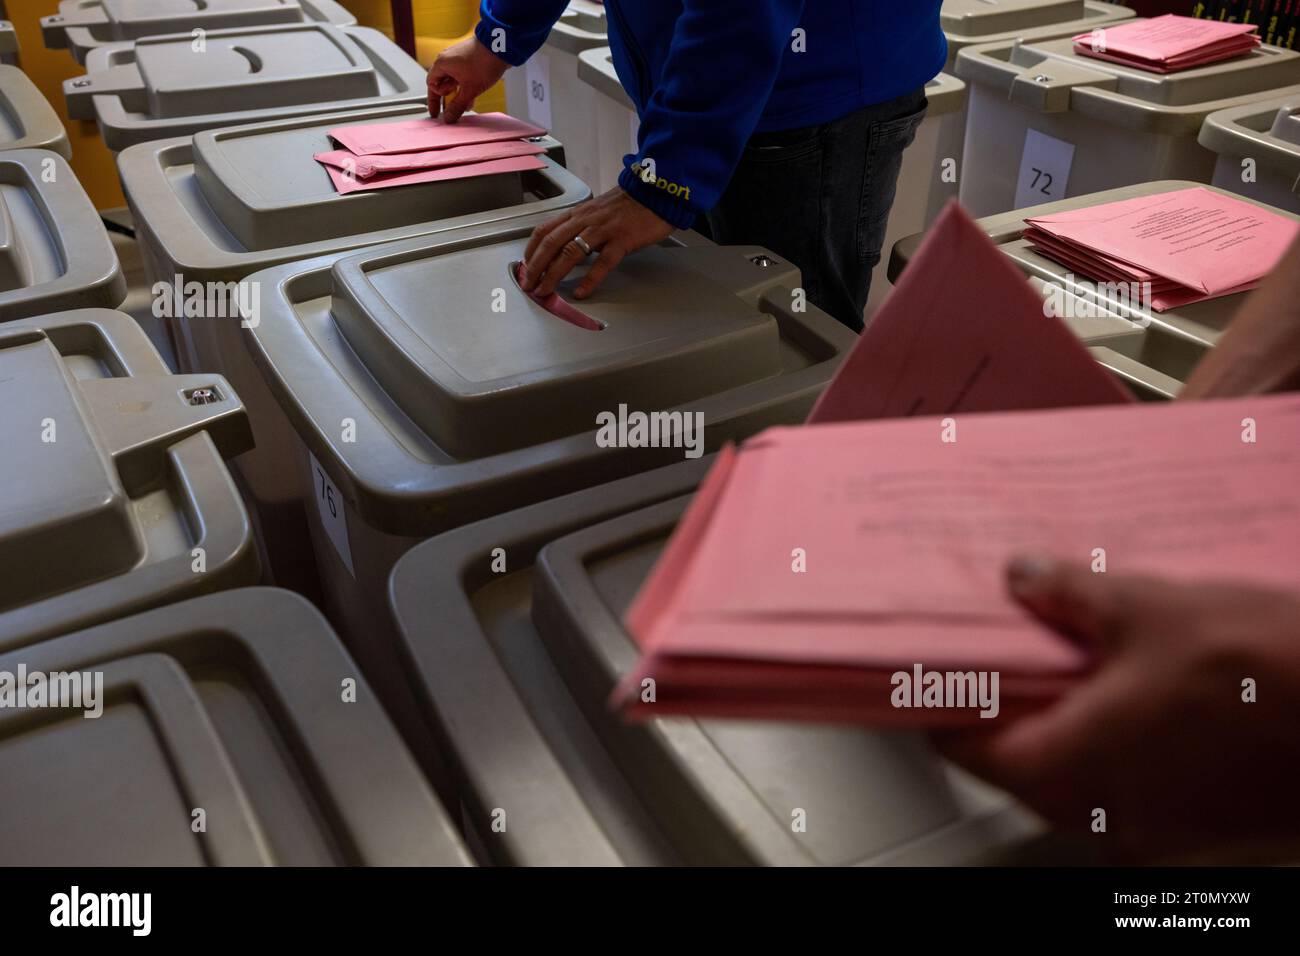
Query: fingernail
1026,571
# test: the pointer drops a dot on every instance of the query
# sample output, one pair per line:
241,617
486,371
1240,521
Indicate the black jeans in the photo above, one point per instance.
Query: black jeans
820,197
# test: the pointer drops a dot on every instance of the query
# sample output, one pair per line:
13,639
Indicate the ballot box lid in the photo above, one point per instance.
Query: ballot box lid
54,251
1049,76
229,710
517,668
1267,131
1167,344
27,121
227,202
977,21
175,85
83,25
468,397
116,495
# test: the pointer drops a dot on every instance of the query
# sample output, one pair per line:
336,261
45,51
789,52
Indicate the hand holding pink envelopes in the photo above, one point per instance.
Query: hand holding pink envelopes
1189,245
1168,43
379,155
905,525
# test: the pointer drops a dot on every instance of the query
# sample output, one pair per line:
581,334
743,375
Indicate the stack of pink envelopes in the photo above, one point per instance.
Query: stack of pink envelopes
851,570
379,155
1169,43
1177,247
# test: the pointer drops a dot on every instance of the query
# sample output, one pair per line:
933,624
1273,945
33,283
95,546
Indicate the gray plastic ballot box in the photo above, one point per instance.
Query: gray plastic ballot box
213,732
84,25
177,85
1153,352
27,121
54,251
212,209
1049,122
117,498
424,390
512,630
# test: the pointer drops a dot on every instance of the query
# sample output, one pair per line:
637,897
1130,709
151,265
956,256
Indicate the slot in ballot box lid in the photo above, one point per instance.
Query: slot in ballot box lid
174,85
229,705
84,25
27,121
54,251
470,397
116,496
517,669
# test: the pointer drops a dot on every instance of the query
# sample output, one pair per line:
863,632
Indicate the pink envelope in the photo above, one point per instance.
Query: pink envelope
1166,38
368,165
963,332
349,184
905,537
1208,242
410,136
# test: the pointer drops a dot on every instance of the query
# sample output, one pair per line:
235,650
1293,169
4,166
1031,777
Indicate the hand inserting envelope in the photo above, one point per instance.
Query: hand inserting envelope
816,564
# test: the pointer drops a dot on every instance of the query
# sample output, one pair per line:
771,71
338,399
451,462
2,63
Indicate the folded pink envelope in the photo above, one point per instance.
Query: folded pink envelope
368,165
410,136
904,538
963,331
1168,43
346,183
1209,243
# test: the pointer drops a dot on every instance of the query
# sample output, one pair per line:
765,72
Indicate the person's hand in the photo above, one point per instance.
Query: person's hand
462,73
1159,736
1260,351
612,225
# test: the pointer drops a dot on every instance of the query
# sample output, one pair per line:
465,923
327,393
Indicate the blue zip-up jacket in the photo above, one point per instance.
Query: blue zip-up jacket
705,75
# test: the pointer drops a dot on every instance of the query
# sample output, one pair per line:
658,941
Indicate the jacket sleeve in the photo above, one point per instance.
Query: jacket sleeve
720,70
523,26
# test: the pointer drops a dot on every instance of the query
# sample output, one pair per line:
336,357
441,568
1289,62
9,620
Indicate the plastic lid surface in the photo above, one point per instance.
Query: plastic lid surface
228,705
116,495
27,121
531,657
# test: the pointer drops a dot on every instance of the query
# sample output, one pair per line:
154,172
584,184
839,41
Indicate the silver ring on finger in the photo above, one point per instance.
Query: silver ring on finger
581,243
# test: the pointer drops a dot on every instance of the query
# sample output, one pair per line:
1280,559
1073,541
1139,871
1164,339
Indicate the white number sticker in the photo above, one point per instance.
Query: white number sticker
537,79
1044,169
332,518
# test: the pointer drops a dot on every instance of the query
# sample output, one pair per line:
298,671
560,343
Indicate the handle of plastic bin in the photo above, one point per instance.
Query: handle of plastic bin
79,91
1135,374
54,31
140,418
1238,132
1029,79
